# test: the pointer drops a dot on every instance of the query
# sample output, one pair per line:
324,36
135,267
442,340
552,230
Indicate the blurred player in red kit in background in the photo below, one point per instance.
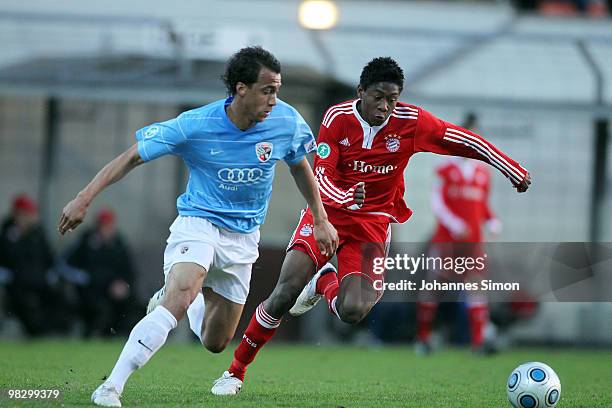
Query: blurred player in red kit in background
461,207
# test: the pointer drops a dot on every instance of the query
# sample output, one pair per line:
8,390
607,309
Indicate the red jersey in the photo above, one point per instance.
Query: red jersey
351,151
461,203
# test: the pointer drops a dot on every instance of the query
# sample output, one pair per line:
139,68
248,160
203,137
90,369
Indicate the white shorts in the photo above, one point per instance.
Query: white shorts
227,256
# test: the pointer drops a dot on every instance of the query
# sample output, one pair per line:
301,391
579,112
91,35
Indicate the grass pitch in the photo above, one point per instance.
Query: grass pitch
300,376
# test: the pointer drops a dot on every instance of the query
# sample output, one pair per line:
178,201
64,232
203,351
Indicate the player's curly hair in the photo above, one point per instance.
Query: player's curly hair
381,69
244,66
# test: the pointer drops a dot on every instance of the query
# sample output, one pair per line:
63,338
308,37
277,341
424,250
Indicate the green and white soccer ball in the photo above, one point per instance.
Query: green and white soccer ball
533,385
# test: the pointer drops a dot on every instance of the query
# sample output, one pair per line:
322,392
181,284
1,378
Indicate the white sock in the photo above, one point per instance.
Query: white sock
146,338
195,314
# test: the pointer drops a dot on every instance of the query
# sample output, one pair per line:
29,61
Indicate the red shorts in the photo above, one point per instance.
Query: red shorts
359,244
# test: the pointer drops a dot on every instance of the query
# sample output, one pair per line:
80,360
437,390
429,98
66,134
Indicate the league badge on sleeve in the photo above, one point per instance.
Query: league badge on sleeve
323,150
151,131
263,150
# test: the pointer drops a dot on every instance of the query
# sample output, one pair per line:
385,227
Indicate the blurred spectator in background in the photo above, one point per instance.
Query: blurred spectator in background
26,259
571,8
461,207
107,301
566,8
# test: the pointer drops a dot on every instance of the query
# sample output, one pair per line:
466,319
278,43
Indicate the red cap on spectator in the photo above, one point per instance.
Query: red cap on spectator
25,204
106,216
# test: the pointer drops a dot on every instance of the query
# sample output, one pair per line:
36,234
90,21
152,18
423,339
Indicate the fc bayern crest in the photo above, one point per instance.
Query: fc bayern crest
306,230
392,143
263,150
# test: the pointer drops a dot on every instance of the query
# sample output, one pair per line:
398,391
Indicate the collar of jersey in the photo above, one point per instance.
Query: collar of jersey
369,132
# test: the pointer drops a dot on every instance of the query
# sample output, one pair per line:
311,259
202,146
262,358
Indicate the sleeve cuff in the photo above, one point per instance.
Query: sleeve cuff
142,152
351,204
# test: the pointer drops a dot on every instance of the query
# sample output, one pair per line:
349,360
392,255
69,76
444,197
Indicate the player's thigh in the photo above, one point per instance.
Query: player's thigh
220,321
298,268
357,294
356,264
187,258
183,283
363,245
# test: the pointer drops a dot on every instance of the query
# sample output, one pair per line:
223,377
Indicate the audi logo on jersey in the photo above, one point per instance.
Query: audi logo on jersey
363,167
245,175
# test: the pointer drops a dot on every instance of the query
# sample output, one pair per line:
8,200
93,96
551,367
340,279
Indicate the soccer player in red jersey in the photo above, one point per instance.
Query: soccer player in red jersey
461,207
363,146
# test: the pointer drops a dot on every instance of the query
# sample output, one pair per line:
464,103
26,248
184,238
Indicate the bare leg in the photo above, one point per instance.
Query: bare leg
150,334
220,321
356,298
297,269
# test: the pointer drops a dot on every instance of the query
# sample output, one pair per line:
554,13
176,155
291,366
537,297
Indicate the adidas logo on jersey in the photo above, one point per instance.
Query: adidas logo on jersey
345,142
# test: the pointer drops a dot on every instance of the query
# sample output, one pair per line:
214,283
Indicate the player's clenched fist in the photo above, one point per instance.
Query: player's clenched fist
326,237
72,215
359,195
524,185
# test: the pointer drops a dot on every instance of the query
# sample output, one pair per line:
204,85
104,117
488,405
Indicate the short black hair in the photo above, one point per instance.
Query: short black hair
244,66
381,69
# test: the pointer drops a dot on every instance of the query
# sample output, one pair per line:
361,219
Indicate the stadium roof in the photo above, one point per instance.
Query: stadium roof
475,54
133,77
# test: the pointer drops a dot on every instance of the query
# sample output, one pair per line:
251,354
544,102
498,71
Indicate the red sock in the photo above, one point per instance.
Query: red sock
261,328
327,285
478,315
425,314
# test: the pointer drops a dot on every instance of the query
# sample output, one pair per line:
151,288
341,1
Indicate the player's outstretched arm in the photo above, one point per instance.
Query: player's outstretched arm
437,136
74,212
325,233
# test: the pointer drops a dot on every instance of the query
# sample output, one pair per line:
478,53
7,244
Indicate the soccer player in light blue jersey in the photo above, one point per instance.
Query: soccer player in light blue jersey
231,148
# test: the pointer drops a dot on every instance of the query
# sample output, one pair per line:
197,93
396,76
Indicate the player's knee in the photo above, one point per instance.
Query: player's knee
216,344
186,279
351,316
177,302
352,312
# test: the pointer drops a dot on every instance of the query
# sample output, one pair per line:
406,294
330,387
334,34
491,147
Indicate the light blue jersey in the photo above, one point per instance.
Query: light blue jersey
230,170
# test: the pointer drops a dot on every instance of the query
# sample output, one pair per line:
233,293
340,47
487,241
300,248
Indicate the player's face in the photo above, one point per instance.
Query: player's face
260,97
378,102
